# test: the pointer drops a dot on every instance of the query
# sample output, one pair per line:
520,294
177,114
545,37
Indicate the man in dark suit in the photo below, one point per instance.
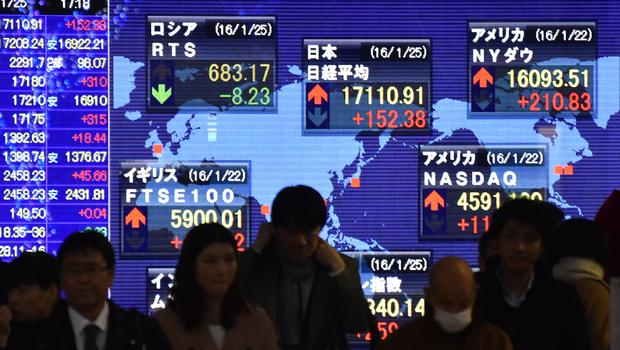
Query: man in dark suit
311,292
90,321
518,293
33,295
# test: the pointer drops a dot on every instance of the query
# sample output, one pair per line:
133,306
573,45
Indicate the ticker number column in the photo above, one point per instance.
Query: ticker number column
53,118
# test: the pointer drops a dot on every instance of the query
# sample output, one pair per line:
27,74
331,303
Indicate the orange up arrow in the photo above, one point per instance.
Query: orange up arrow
434,200
317,94
482,77
135,217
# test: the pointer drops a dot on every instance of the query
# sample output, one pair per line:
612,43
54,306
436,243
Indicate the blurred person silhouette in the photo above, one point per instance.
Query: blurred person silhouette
487,255
33,296
33,287
5,314
551,216
206,310
451,322
609,221
579,252
487,249
519,294
311,292
5,326
90,321
3,290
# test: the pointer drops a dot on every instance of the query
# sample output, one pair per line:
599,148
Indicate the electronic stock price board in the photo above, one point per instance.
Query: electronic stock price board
142,119
54,122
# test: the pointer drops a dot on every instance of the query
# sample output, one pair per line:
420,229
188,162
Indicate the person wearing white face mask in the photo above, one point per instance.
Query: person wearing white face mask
451,323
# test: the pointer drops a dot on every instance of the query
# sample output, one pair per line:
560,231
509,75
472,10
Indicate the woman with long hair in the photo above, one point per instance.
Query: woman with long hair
206,310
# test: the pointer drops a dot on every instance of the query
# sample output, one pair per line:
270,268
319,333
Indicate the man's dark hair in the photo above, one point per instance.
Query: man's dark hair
187,296
84,241
579,238
299,208
551,216
38,269
542,215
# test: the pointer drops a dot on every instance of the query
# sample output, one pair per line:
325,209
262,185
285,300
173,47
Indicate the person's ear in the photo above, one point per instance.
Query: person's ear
112,274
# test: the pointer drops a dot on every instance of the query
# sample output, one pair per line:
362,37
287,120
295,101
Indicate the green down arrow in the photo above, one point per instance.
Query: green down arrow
161,94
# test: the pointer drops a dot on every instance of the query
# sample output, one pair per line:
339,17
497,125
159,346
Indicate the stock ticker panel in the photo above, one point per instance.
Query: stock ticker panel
414,121
54,122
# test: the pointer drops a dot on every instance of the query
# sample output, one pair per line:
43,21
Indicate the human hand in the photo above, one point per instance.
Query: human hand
327,256
265,232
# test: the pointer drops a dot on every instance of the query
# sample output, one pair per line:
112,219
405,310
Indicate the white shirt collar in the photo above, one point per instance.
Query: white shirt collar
509,297
79,322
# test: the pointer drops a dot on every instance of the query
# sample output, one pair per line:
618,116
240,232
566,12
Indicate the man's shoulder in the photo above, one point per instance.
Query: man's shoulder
490,330
60,315
413,335
132,327
491,336
117,312
420,327
347,259
556,291
253,259
129,317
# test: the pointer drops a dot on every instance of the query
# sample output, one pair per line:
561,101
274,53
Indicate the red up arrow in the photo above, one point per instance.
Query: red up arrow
317,94
483,77
434,200
135,217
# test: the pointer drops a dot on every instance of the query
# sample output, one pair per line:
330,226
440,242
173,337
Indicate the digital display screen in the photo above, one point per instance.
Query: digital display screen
415,121
54,119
